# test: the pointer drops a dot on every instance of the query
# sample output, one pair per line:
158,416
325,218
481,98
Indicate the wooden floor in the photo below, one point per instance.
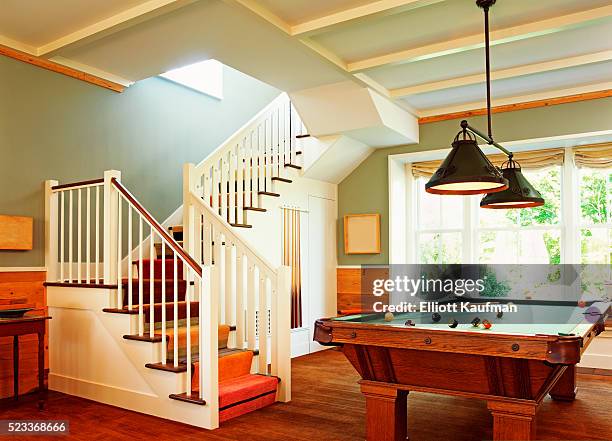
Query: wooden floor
327,406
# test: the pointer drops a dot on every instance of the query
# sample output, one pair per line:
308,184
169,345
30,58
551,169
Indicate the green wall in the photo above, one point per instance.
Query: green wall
56,127
365,190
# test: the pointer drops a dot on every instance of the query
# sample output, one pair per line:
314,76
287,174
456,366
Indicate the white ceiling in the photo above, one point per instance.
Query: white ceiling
36,22
425,55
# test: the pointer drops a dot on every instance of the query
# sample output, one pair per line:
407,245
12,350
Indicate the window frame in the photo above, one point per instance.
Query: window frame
569,225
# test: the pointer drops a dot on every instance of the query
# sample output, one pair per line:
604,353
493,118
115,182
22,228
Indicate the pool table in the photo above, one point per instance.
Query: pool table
512,365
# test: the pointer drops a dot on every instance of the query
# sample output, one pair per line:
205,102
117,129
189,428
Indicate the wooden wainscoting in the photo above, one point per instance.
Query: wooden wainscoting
353,282
27,284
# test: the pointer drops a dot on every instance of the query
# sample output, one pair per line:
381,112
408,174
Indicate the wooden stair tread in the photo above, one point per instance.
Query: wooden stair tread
194,398
182,364
279,179
305,135
297,167
260,210
241,225
268,193
80,285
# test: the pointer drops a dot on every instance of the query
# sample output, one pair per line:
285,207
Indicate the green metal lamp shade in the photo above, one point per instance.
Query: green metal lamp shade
520,193
466,170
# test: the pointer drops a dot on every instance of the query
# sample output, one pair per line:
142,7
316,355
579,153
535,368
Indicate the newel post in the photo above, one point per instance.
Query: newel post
283,330
111,223
51,229
189,185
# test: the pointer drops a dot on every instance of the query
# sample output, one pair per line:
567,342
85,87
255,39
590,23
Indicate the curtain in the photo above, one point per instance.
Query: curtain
529,160
292,257
594,156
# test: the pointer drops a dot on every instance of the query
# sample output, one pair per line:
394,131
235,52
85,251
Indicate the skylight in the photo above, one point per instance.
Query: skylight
204,76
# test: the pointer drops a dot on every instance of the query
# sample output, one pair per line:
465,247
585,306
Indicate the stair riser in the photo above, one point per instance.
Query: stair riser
157,295
157,269
182,312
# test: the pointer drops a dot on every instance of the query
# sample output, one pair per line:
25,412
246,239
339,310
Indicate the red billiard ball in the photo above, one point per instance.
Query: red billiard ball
487,324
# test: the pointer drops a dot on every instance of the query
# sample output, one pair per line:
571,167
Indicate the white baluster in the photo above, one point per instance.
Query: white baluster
240,282
79,236
129,256
188,278
88,239
263,324
70,245
215,189
229,304
62,244
151,283
233,215
140,286
251,324
175,309
119,255
163,301
98,234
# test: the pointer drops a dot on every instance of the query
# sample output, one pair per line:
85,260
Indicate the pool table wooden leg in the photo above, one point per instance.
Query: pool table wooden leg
513,421
565,388
386,412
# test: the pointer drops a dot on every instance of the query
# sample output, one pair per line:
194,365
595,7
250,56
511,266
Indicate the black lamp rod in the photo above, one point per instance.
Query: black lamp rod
465,125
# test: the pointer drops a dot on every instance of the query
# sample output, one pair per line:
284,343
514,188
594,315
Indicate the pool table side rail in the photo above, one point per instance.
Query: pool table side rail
550,348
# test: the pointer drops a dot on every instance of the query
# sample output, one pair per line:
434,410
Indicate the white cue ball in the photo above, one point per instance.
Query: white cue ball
389,316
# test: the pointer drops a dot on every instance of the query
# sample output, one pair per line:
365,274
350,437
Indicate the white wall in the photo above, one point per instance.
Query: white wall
266,237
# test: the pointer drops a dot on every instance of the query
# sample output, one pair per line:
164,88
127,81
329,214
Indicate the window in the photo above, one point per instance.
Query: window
595,188
525,235
573,226
205,76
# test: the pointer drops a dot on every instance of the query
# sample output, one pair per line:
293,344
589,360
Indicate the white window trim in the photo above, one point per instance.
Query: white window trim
402,215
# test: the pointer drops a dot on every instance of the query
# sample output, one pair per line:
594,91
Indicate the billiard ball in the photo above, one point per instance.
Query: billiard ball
409,323
486,324
436,317
389,316
453,323
581,303
500,314
476,322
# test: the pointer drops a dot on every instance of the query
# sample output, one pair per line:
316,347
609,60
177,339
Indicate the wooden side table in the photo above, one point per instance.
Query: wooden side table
23,326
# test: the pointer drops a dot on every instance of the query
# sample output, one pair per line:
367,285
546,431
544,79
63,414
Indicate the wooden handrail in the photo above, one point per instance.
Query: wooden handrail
160,230
78,184
204,208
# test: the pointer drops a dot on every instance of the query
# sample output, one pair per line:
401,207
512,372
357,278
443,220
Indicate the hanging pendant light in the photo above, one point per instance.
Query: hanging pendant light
466,170
520,193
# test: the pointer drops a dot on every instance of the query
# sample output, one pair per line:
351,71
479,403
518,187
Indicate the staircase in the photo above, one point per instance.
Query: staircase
205,313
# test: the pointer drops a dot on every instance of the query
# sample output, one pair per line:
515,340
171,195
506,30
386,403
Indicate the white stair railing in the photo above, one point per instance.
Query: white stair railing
234,176
253,296
99,235
74,227
190,293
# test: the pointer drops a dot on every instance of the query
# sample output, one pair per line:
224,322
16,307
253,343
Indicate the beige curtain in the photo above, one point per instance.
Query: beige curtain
594,156
529,160
291,257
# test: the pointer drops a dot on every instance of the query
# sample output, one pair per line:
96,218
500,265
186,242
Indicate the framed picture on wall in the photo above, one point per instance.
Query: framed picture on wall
362,234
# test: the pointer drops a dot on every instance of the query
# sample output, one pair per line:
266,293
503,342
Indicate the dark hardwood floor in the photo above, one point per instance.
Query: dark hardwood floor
326,406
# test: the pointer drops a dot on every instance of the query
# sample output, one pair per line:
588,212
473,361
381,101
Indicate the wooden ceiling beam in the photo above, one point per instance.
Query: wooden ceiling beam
377,8
475,41
518,106
528,69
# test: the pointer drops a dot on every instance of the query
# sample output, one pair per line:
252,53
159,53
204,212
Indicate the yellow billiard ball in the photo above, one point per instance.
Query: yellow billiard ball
389,316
